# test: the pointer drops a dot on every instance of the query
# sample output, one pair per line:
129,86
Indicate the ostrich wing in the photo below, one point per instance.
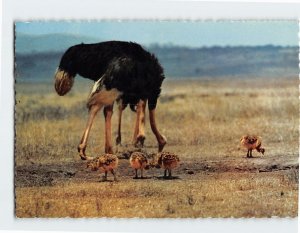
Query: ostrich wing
97,86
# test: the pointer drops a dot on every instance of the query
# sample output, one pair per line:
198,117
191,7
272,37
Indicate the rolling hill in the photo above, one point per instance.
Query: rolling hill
37,58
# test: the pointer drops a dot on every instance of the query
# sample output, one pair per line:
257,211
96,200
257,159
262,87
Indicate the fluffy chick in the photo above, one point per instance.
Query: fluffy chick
251,143
104,163
167,161
138,161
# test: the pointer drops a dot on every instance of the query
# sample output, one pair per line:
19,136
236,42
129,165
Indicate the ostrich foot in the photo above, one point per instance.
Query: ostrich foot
81,150
139,143
118,140
162,144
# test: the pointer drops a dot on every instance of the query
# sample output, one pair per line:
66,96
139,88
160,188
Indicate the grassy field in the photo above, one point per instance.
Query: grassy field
203,122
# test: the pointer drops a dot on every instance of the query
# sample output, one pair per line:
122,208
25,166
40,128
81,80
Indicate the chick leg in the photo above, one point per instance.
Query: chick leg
114,174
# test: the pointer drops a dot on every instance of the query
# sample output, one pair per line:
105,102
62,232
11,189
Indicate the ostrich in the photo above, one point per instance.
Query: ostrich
139,161
104,163
167,161
251,143
122,71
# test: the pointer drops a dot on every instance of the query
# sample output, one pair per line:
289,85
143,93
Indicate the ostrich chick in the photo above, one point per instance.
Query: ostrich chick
138,161
168,161
250,143
104,163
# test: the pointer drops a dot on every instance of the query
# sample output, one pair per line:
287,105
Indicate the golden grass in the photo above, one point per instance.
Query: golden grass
202,120
231,195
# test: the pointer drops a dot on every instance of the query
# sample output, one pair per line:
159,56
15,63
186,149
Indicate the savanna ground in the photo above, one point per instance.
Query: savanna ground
203,122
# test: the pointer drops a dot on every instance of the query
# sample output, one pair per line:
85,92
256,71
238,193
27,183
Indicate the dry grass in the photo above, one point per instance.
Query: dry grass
203,122
216,197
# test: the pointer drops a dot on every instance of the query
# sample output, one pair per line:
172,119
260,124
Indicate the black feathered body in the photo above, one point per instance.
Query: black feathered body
125,66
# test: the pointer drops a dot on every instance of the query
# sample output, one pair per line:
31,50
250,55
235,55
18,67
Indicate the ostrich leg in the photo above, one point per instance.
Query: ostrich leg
136,129
83,143
108,111
121,107
95,102
160,138
139,132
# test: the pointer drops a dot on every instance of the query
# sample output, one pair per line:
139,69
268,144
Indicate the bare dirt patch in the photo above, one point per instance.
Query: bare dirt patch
51,174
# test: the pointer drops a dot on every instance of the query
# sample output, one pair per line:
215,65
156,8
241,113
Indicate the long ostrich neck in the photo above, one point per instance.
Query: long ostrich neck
67,65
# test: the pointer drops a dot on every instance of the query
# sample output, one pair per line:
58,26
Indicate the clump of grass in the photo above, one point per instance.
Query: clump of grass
293,176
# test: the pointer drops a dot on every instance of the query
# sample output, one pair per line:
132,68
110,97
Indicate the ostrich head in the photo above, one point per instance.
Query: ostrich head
63,82
66,71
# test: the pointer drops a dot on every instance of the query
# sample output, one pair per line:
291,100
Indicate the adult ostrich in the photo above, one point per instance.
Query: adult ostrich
122,71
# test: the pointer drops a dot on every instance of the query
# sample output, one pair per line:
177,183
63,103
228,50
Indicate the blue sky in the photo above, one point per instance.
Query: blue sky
184,33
